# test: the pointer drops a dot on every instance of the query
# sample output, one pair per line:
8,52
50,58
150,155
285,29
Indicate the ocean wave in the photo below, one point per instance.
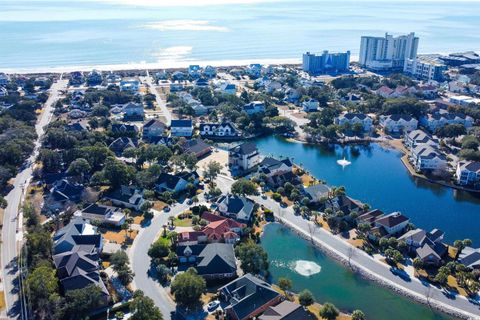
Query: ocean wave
185,25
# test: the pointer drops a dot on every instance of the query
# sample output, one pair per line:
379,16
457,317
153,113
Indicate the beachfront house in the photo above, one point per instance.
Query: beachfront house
468,173
470,258
398,123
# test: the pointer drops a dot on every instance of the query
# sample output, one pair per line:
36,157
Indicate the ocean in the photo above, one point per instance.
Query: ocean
38,35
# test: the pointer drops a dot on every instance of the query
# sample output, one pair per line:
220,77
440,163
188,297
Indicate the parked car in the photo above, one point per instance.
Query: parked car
166,209
211,306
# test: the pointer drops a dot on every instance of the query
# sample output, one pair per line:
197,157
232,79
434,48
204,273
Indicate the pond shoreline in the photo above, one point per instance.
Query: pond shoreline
367,274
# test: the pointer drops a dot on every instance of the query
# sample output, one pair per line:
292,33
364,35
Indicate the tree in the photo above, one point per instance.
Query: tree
244,187
163,273
143,308
188,287
417,263
43,288
79,167
253,258
305,298
159,249
358,315
328,311
117,172
285,284
393,256
441,278
118,260
81,302
212,169
125,275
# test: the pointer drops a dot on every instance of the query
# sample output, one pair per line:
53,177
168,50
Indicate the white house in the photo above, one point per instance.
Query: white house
133,110
354,118
244,157
181,128
438,120
468,173
398,123
220,130
416,137
103,214
130,84
254,107
426,157
463,101
310,105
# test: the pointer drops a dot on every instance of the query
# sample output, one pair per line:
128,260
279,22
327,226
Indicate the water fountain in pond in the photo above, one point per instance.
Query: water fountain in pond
343,162
307,268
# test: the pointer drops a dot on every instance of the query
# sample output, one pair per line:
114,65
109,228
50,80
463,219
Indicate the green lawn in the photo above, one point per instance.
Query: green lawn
183,222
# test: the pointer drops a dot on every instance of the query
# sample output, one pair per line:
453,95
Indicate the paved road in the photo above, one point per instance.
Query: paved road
140,261
361,260
158,98
11,235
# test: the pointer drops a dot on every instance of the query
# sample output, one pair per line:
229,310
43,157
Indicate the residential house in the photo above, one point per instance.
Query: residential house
153,129
384,91
398,123
417,238
254,107
317,193
102,214
236,207
63,194
248,297
77,126
287,310
468,173
355,118
4,79
464,101
419,137
194,71
122,129
200,109
76,249
345,204
119,145
426,157
221,231
181,128
178,76
130,85
428,91
212,261
393,223
277,172
188,238
209,71
176,182
470,258
76,78
77,233
224,130
244,157
440,119
292,95
369,217
272,86
310,105
201,83
94,78
431,254
77,114
133,111
227,88
128,197
196,146
254,70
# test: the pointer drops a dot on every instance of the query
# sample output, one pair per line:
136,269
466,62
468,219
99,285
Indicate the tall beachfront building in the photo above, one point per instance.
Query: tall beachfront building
326,62
387,53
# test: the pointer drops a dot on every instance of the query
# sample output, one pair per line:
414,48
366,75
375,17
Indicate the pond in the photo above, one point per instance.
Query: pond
297,259
377,176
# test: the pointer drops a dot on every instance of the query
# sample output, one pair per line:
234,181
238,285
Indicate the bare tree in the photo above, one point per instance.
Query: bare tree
311,230
429,294
350,254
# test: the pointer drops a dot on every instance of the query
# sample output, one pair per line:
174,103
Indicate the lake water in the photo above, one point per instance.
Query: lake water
334,283
377,176
39,34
